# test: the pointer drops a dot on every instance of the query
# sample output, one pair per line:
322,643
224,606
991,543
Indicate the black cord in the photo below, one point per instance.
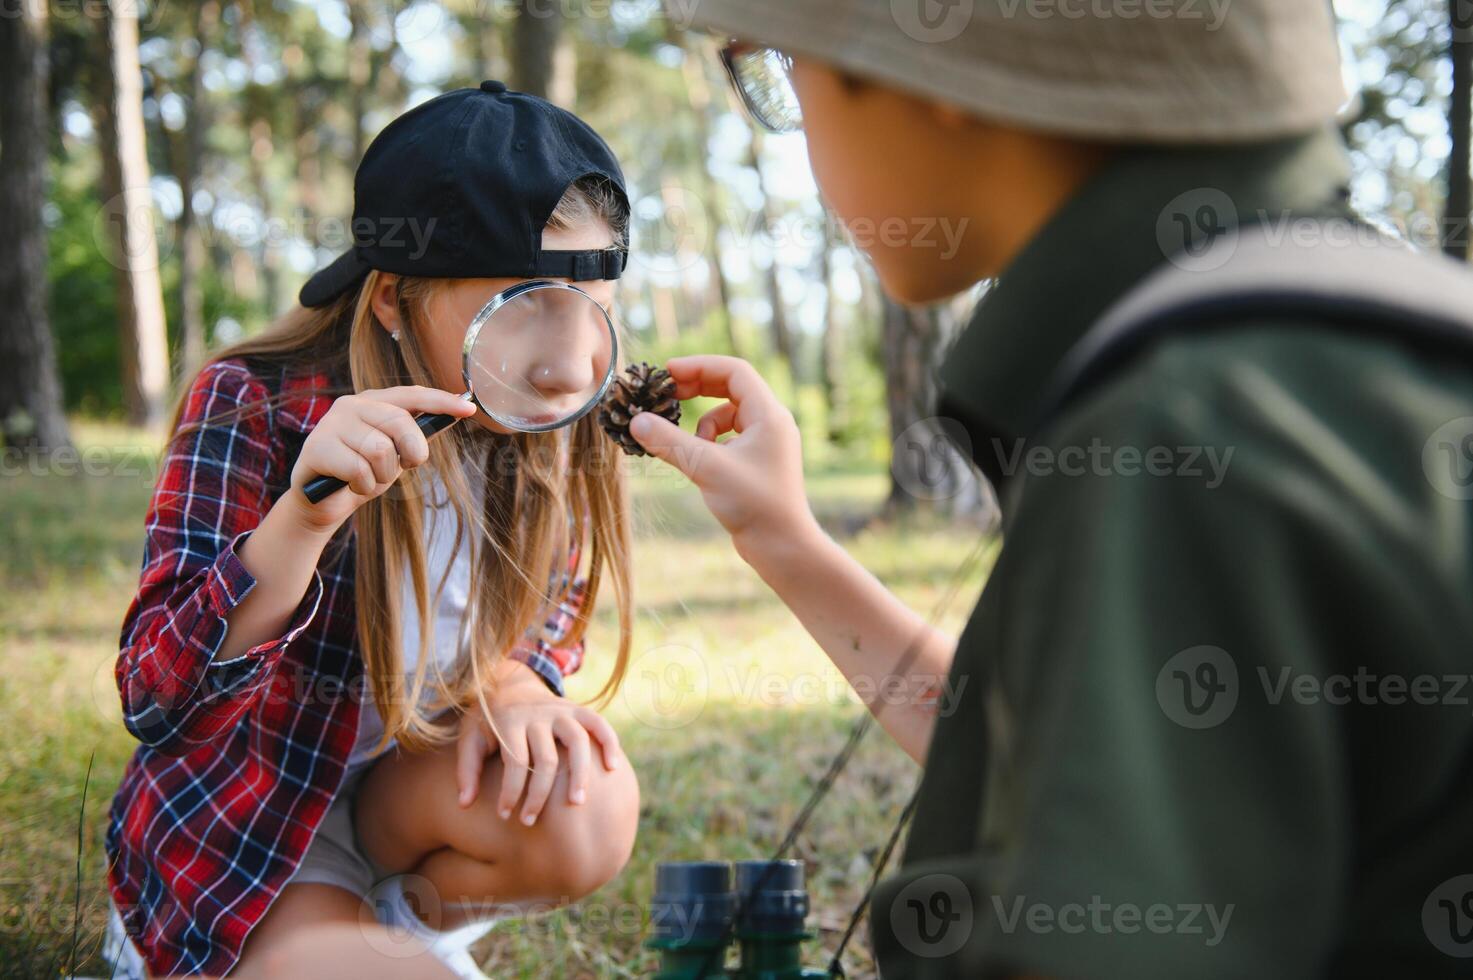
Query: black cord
820,790
826,782
836,968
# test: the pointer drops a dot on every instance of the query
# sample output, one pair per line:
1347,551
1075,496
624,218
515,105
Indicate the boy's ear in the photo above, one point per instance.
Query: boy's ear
384,299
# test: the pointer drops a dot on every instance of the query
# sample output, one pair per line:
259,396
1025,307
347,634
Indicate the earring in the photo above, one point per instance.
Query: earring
394,334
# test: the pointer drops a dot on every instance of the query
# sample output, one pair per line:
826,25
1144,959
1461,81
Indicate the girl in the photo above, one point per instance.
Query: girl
277,650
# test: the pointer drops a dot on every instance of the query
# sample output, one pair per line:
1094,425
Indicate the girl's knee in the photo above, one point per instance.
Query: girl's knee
590,843
573,849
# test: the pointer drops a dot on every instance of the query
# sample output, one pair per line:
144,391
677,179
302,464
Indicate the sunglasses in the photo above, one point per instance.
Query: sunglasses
763,80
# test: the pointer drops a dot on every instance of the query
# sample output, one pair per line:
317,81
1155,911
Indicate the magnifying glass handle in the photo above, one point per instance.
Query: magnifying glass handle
320,488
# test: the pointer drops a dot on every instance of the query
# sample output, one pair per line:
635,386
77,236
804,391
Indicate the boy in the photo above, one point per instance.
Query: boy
1208,717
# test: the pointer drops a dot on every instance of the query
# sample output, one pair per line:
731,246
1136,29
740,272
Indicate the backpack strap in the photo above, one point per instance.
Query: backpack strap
1341,272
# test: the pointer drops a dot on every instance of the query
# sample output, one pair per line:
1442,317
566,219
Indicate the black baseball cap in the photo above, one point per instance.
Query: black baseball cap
463,185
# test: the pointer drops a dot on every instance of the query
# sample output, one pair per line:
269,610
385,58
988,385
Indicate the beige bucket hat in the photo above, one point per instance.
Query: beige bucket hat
1168,71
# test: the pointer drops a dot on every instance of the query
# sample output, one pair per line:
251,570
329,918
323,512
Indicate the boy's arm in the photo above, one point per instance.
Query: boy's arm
753,485
866,631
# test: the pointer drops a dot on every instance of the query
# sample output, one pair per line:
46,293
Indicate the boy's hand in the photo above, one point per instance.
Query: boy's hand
753,482
532,721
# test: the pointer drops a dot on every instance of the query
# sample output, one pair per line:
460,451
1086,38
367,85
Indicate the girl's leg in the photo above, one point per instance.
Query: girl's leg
342,952
465,864
322,931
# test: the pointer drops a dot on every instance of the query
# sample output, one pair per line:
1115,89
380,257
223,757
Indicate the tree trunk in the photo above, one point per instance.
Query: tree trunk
534,44
359,57
31,416
127,219
187,229
782,336
564,89
260,148
926,468
371,73
386,80
309,164
831,359
489,60
699,94
263,148
667,317
1460,119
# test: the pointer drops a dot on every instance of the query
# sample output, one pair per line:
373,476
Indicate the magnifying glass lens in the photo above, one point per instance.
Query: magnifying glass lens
541,358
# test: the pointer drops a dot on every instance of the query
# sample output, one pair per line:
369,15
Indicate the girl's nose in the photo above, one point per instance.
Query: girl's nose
563,372
577,349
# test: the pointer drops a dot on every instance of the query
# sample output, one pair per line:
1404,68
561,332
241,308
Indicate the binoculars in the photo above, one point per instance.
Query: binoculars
696,914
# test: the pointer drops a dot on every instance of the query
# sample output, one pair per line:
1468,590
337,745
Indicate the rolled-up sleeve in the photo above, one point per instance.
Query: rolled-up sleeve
212,491
547,650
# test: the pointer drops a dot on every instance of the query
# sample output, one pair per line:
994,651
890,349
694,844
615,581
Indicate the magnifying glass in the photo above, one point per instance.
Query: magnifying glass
540,355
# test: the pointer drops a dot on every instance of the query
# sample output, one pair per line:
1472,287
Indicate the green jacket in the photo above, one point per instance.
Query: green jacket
1214,714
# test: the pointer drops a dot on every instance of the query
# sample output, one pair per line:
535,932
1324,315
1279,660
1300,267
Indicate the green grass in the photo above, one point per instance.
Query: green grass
722,772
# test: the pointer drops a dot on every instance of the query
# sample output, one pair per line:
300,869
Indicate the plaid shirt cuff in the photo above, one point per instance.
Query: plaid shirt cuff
544,665
176,693
229,584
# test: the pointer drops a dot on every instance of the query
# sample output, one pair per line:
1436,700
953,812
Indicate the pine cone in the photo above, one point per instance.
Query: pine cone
641,388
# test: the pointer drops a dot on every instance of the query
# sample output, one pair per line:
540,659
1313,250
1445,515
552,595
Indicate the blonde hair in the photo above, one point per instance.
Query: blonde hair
540,492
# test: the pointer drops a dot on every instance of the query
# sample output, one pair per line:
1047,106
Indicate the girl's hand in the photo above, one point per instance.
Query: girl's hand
366,440
532,721
752,483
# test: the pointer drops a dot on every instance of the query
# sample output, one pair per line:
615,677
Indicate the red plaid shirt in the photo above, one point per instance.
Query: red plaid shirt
240,758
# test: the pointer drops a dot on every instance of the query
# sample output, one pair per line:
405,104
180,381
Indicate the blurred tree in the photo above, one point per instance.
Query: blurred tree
260,106
1459,120
698,91
542,61
187,170
781,333
84,319
126,224
1396,126
831,356
31,417
359,67
924,468
486,31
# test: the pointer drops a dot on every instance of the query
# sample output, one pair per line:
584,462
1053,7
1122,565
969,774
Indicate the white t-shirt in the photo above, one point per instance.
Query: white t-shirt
448,635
